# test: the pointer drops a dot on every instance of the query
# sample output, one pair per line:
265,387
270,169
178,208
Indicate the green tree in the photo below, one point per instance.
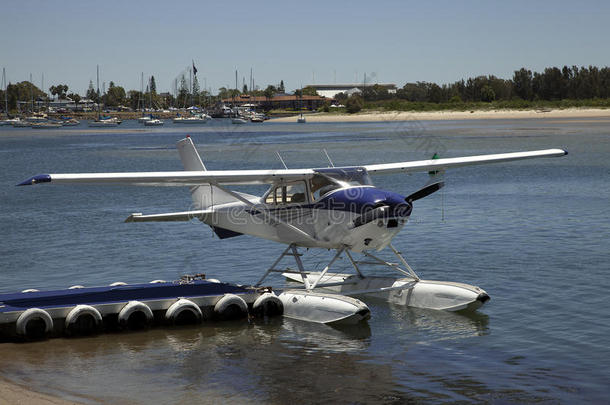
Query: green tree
309,91
134,97
341,98
60,91
153,85
76,98
23,92
115,95
183,92
354,104
224,93
91,93
487,94
270,92
281,88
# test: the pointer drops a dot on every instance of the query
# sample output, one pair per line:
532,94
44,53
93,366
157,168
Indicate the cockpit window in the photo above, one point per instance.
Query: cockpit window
321,185
289,193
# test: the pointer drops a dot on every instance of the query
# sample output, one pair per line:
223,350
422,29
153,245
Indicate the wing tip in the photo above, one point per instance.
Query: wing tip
39,178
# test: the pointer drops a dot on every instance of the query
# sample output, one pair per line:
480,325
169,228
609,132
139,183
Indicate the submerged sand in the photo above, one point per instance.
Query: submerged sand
452,115
13,394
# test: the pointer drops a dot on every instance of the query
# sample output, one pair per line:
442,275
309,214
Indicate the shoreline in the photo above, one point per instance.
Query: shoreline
12,393
372,116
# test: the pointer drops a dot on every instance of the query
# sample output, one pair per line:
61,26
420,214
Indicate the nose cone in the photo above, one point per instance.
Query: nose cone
399,206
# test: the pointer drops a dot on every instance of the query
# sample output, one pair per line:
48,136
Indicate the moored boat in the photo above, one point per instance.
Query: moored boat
46,125
154,122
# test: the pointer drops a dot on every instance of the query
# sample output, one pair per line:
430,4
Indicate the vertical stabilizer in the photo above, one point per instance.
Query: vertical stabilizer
206,195
189,156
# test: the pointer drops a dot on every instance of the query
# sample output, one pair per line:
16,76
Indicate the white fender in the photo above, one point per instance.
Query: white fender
117,284
30,290
31,314
224,306
81,310
180,306
134,306
76,287
268,304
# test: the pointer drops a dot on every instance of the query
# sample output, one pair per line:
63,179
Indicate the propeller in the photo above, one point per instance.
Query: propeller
384,211
424,192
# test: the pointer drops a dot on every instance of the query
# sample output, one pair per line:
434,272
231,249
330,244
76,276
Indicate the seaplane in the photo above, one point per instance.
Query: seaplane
333,208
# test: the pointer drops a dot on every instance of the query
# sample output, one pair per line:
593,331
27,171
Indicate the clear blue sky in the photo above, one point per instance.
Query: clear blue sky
398,41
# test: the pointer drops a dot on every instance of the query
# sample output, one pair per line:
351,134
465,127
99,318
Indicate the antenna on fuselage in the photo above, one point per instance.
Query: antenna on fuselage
277,152
328,157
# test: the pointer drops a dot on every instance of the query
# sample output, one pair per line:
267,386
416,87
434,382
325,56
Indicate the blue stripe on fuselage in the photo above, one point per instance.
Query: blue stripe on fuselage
353,199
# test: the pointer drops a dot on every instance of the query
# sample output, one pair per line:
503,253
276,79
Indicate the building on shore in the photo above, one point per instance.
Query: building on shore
331,90
278,101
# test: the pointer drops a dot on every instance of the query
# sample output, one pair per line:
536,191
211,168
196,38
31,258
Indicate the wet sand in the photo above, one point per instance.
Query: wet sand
452,115
13,394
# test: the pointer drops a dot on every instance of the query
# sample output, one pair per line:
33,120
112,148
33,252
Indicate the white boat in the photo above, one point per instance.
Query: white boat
238,121
104,123
301,119
70,122
323,308
21,124
153,122
37,117
45,125
10,121
190,120
144,119
255,117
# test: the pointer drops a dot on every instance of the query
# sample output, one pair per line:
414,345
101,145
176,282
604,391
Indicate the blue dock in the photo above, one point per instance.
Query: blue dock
79,310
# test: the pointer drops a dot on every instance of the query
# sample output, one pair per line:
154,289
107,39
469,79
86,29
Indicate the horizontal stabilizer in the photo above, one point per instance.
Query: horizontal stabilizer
172,216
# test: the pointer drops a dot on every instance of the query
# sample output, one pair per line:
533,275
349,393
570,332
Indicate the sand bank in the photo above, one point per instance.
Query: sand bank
453,115
13,394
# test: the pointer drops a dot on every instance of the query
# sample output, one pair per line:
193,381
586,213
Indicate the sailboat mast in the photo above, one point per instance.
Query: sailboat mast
5,91
140,106
32,92
98,92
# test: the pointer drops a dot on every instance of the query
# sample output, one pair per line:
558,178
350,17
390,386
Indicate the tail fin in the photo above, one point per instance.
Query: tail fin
204,196
189,156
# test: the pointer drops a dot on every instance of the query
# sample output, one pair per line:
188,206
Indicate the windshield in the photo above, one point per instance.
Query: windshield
350,176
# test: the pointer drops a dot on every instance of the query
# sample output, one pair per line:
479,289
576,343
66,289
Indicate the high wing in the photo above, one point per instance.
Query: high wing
447,163
181,178
245,177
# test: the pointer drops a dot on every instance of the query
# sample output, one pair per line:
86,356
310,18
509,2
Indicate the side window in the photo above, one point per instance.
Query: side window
291,193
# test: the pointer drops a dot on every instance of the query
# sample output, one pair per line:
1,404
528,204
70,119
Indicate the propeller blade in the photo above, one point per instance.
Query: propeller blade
424,192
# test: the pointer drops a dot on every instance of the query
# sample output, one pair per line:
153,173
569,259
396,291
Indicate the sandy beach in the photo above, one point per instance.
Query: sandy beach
453,115
13,394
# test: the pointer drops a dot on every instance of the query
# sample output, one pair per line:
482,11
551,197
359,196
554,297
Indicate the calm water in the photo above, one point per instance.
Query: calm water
533,234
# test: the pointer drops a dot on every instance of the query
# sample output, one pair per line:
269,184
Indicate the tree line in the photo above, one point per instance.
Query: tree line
552,84
567,83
